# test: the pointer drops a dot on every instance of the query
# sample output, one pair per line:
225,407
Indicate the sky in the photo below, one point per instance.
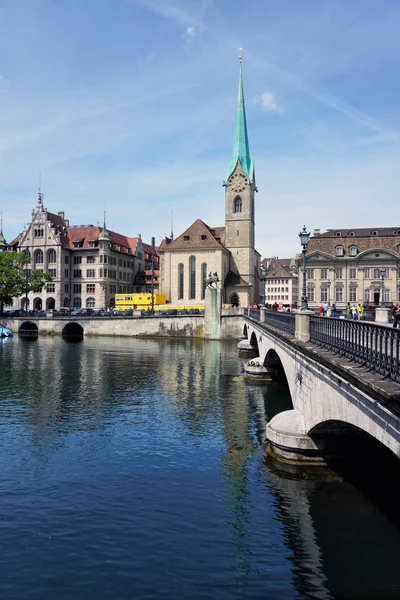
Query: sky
129,106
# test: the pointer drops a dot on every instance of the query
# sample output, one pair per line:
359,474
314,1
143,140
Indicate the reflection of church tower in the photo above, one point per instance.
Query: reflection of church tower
240,188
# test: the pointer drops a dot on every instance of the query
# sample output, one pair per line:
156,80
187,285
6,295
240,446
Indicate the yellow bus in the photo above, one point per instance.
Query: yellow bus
138,301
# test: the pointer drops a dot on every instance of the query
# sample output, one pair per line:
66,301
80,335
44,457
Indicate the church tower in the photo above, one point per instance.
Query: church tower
240,187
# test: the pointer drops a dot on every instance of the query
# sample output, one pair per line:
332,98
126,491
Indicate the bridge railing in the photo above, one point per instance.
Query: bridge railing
374,346
254,313
284,321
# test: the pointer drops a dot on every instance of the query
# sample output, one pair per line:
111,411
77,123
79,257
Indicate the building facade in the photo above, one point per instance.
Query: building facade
281,287
345,266
88,264
230,250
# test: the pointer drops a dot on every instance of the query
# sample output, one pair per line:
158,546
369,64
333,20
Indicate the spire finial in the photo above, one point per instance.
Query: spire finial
172,225
40,195
104,226
240,56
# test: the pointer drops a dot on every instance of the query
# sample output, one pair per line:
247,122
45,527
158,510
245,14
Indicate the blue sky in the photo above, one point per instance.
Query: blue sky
129,106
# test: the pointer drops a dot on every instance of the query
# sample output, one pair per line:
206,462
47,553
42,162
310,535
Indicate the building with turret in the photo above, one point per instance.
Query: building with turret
228,250
88,264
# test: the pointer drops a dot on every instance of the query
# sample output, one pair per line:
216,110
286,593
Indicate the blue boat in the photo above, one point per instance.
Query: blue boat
4,332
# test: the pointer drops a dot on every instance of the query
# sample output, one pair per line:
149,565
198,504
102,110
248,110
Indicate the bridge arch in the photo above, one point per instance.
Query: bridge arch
73,330
253,340
274,365
245,335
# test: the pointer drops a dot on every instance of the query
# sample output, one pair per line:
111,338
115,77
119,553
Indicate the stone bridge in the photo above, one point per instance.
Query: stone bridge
343,377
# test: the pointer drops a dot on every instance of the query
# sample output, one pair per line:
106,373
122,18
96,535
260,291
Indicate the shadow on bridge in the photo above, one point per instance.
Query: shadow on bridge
73,332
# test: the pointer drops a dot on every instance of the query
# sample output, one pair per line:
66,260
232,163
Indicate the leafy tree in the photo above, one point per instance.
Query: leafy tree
16,279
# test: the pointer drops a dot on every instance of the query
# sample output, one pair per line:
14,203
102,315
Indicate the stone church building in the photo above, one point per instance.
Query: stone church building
229,251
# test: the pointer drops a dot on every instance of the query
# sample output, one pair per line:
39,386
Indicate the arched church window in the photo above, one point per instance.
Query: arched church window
181,281
38,257
192,271
237,205
203,280
51,256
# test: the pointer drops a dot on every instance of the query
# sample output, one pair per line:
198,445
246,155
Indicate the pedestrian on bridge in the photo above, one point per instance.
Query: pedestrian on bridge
396,316
333,311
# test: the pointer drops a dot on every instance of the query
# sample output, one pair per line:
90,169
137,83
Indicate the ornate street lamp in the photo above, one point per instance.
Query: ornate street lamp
382,273
304,239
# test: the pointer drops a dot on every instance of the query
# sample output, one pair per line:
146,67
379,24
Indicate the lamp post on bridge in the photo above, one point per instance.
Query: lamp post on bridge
382,273
304,239
26,278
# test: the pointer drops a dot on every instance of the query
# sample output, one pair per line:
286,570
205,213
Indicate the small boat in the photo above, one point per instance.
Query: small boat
4,332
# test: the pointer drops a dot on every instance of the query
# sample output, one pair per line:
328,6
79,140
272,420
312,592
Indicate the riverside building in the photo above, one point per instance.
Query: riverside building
344,265
88,264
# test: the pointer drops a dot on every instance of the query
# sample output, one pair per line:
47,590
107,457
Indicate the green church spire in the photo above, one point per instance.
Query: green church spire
241,151
104,235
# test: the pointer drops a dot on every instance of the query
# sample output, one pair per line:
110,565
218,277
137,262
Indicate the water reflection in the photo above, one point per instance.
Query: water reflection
146,457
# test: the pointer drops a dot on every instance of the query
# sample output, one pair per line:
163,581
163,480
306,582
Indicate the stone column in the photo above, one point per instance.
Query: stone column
302,327
212,312
262,315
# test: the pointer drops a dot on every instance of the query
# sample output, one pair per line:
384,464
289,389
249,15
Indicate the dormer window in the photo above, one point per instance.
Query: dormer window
351,234
374,233
338,234
185,238
353,251
339,251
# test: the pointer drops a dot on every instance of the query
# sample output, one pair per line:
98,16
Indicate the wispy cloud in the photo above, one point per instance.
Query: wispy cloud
268,102
165,9
190,33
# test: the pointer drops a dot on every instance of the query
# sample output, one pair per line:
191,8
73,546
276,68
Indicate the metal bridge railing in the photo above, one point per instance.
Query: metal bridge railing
374,346
284,321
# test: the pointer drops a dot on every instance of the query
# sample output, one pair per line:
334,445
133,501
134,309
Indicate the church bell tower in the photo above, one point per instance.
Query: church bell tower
240,187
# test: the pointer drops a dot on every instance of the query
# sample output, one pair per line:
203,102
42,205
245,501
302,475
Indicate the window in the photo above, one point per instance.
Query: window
38,233
324,294
92,244
38,257
311,294
192,271
204,237
352,273
50,288
66,273
180,281
339,251
237,205
339,273
77,244
310,273
91,273
353,250
66,260
186,238
53,272
351,234
353,294
66,288
77,273
339,294
367,273
90,260
90,288
377,273
51,256
324,273
386,295
203,280
366,295
338,234
77,288
374,233
77,260
77,303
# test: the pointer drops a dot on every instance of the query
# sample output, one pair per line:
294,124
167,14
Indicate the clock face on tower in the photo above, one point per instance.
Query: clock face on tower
238,182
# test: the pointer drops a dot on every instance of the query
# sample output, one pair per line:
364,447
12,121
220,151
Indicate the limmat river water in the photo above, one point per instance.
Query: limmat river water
135,469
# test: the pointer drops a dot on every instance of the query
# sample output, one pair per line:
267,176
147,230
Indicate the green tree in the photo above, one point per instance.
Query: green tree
16,279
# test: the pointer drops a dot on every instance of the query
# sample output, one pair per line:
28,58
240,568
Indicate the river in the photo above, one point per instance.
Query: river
135,469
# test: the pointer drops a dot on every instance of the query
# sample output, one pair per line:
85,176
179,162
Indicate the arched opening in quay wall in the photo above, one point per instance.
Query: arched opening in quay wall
28,330
73,332
362,460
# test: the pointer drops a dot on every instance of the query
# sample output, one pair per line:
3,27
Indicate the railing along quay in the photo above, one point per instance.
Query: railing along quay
373,346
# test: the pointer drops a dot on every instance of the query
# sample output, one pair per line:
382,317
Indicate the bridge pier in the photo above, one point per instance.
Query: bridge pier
254,369
245,348
288,439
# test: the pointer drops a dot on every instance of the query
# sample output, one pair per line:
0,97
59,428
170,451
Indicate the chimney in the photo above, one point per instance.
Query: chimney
66,221
61,214
317,231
